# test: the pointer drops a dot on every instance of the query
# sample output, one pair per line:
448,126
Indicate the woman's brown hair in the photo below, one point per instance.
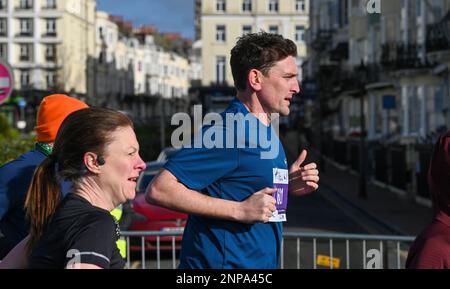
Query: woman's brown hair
86,130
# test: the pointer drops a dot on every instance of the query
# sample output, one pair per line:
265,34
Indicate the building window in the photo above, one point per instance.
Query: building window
247,6
26,28
24,78
51,79
220,69
299,33
50,27
220,33
246,29
221,5
273,5
418,8
25,52
25,4
273,29
102,57
3,27
343,13
4,51
50,52
300,6
50,4
3,4
414,114
101,33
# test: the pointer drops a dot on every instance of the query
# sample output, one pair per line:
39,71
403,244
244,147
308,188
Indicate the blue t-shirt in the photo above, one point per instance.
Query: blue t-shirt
232,174
15,178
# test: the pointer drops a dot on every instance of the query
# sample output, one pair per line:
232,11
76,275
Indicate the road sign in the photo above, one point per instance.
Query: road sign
6,81
389,102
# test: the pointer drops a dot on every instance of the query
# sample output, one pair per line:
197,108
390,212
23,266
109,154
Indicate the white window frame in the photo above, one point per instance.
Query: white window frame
50,25
25,51
24,75
274,6
48,48
300,6
221,64
4,26
246,31
26,25
50,4
414,115
25,4
50,78
247,6
274,29
4,50
221,5
221,34
299,33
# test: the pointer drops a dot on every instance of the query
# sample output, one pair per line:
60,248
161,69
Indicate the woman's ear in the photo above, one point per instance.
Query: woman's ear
254,79
91,162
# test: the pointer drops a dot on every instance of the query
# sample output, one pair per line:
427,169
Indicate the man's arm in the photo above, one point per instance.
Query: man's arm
165,190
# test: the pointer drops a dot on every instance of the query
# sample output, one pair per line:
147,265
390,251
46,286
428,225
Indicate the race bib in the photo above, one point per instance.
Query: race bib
281,183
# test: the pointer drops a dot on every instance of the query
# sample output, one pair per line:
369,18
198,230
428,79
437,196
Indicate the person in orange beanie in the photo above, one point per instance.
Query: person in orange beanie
16,175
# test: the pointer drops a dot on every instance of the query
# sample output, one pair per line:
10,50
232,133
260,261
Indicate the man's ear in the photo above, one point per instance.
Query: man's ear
255,79
91,163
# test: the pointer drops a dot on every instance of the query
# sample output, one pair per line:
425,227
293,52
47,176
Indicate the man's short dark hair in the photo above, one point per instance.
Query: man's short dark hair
258,51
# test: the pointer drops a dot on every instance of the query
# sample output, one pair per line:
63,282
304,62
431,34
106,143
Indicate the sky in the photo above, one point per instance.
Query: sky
165,15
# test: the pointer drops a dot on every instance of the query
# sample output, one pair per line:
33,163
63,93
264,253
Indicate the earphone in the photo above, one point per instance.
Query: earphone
100,160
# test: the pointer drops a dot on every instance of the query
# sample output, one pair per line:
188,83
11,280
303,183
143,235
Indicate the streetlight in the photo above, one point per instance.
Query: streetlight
362,74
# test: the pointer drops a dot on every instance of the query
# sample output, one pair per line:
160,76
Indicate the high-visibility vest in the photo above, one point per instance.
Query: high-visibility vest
121,243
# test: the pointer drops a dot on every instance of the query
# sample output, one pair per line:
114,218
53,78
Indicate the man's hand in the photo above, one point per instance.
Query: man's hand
258,208
303,179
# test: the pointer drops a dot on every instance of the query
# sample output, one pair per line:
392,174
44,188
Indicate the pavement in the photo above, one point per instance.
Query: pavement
382,212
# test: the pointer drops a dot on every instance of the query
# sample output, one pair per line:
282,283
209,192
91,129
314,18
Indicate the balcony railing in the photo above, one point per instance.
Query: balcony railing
322,39
401,56
49,6
25,34
438,36
25,58
49,34
28,6
50,58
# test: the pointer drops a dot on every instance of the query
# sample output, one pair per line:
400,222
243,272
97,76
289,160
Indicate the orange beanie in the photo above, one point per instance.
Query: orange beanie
52,112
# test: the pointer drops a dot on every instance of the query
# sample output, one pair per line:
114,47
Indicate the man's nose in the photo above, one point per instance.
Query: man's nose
296,87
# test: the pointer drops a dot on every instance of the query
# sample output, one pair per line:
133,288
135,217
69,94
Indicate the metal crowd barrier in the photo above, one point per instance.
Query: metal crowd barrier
299,250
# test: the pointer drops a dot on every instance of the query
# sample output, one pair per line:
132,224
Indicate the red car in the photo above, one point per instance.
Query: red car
153,218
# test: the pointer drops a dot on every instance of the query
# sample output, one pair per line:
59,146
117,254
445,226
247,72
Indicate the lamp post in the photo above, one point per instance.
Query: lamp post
362,73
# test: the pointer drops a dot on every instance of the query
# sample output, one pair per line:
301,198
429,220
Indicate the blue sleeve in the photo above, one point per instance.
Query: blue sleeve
197,168
5,198
15,177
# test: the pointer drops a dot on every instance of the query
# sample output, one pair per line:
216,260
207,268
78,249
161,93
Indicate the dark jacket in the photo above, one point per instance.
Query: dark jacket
15,178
